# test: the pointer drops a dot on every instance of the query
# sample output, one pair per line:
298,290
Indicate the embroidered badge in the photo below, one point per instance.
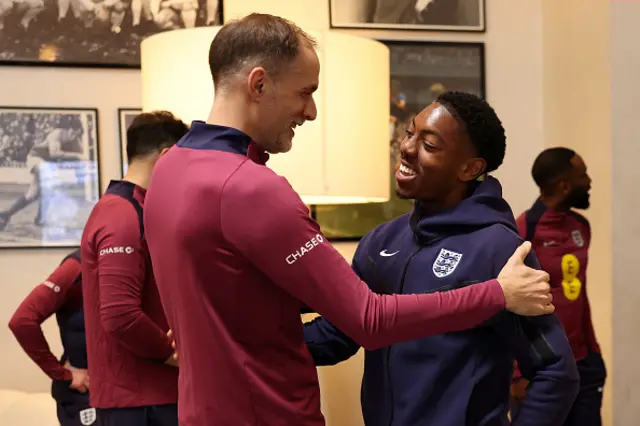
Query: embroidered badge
446,262
577,238
88,416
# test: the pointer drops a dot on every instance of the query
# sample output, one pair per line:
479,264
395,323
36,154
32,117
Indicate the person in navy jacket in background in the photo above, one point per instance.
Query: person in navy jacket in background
133,375
461,232
561,238
59,294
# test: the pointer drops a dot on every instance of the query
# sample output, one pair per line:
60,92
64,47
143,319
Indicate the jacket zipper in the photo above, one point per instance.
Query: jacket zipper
404,274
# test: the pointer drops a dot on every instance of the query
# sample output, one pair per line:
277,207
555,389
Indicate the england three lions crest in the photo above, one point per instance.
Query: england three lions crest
446,262
577,238
88,416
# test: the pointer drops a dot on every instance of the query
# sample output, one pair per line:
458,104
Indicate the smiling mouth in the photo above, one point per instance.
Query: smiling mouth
406,171
295,124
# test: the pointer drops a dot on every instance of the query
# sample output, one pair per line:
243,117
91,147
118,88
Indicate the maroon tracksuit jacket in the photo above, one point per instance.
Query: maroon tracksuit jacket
125,325
561,242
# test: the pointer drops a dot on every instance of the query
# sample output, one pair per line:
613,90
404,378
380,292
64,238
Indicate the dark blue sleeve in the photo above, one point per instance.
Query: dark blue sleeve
544,356
327,344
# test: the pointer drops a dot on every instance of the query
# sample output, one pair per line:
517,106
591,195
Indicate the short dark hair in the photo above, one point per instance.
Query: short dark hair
550,165
257,39
153,131
481,123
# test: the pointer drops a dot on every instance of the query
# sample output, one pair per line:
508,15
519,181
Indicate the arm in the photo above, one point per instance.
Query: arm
121,279
544,358
326,344
43,301
590,334
592,341
54,144
285,243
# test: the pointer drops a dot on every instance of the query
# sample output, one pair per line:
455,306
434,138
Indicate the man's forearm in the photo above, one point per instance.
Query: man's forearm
33,342
123,318
135,330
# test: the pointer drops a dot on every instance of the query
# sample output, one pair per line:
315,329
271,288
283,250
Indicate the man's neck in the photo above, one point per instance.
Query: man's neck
228,112
139,173
554,203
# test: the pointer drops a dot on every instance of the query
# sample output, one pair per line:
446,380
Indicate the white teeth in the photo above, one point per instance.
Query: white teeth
406,171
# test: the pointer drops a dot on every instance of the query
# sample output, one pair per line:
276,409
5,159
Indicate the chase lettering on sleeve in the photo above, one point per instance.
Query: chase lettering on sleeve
304,249
115,250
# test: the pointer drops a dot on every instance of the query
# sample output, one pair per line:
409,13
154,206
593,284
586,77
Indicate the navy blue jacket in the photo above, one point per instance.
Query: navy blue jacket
70,321
461,378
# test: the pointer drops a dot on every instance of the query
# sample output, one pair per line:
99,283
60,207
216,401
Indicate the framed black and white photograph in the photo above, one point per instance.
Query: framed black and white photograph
125,118
419,72
49,175
93,33
422,15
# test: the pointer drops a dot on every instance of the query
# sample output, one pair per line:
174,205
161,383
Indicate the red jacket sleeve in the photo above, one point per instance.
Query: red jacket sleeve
43,301
284,243
590,334
122,269
521,223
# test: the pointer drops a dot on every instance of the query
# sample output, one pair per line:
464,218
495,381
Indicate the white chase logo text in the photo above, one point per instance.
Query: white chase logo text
114,250
308,246
52,286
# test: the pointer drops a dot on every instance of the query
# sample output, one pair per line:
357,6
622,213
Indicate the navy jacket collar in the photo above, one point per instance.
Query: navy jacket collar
214,137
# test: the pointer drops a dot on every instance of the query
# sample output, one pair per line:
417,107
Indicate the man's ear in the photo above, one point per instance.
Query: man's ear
472,169
256,82
564,187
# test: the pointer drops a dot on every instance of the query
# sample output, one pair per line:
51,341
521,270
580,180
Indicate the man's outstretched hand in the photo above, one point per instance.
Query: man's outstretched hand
526,290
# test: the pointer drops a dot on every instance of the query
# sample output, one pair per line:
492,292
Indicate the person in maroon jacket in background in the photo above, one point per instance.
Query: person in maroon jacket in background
561,237
237,255
59,294
133,375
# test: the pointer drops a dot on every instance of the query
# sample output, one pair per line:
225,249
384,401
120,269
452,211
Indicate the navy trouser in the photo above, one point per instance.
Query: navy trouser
150,415
586,409
75,415
71,405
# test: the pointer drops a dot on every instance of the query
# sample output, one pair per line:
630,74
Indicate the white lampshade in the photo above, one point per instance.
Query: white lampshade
340,158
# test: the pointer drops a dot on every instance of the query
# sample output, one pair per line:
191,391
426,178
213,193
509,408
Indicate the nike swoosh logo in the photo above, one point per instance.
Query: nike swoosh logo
384,253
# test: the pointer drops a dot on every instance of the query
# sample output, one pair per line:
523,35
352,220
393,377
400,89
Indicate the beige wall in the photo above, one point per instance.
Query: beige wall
591,98
624,205
514,87
577,104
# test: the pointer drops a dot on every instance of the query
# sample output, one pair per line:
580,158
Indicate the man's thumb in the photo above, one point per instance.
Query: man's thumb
521,253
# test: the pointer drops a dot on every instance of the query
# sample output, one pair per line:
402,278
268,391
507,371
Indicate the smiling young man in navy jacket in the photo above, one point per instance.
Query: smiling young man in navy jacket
134,379
461,232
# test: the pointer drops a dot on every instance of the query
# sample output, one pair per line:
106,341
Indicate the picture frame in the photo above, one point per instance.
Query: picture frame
82,33
419,72
49,175
125,117
417,15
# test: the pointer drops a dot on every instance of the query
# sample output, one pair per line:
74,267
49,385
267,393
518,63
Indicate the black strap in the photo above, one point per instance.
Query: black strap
73,255
532,217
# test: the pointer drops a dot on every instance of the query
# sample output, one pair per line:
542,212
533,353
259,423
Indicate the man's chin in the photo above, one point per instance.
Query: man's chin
403,195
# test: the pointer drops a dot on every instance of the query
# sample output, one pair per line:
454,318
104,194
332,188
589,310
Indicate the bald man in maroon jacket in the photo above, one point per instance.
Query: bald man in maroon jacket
236,254
134,379
561,238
